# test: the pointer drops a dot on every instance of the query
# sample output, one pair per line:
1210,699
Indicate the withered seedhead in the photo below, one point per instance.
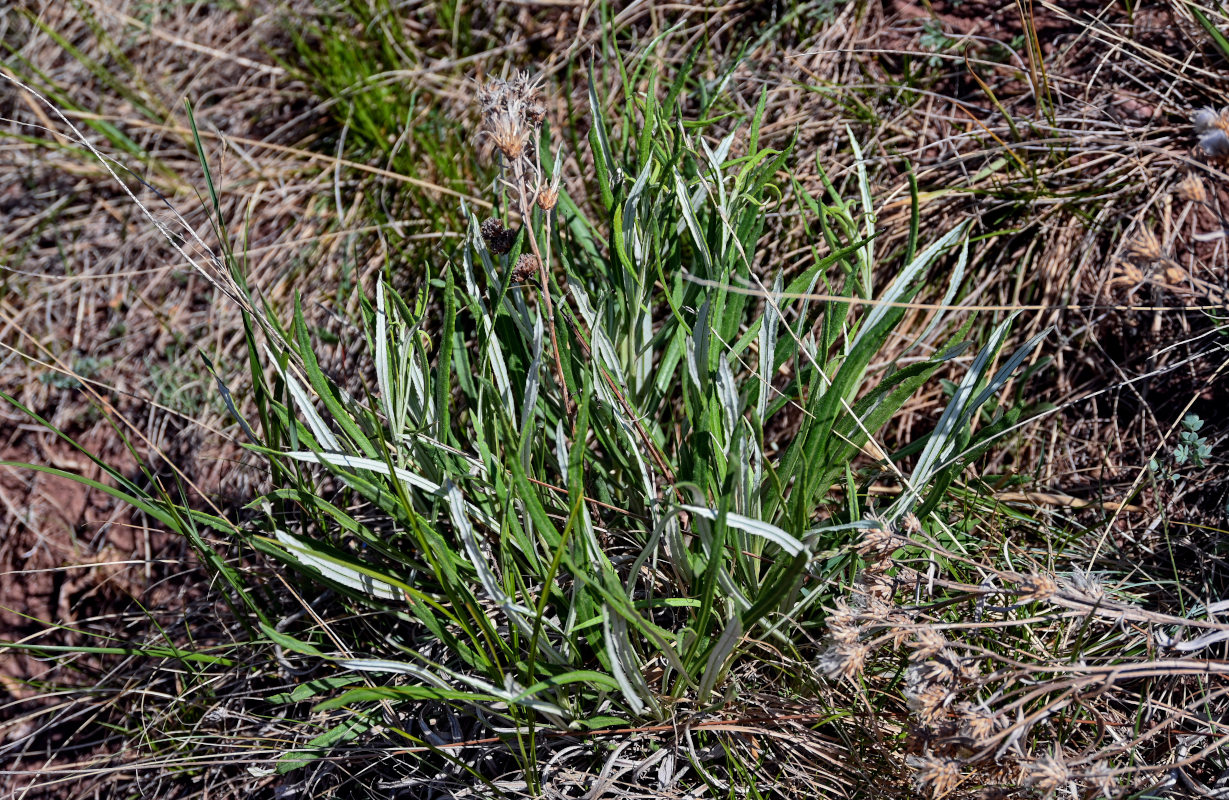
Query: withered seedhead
548,196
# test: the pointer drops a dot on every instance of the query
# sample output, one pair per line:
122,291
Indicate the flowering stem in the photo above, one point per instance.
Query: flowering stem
526,209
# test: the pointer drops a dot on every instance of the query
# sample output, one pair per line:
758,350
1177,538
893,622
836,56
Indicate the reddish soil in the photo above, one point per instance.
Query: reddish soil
69,553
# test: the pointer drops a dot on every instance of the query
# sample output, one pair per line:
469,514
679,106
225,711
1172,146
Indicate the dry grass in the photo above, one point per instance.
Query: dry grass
1097,196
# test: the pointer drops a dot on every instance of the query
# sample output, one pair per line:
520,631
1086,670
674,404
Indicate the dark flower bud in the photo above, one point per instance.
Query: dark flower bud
498,238
526,267
492,228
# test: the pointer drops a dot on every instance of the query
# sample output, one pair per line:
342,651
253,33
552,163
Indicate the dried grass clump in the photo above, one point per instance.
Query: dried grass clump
1049,681
1098,191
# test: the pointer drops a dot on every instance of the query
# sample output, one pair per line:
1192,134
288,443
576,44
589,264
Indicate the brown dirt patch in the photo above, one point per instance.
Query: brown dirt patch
69,553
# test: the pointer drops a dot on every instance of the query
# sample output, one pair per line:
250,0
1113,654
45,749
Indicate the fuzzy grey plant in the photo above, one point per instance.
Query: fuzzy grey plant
1212,128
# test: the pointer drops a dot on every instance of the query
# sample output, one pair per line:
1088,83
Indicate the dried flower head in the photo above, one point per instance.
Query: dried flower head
526,267
1145,247
874,591
535,113
509,133
525,86
937,775
1192,190
1088,586
1047,774
844,659
1036,588
548,194
511,111
968,670
927,643
928,700
936,670
498,238
873,608
878,541
976,721
843,626
1100,779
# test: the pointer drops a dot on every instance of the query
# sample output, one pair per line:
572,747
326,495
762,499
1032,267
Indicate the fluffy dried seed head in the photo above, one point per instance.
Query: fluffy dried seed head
1212,128
1204,119
491,96
535,113
1036,588
1215,143
927,643
844,659
937,775
509,133
1208,119
843,625
1088,586
875,590
1101,780
878,541
928,701
874,607
1047,774
1192,190
524,86
900,628
937,670
976,721
968,670
511,104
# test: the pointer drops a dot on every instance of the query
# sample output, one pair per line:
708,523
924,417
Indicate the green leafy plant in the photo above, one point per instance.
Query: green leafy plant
567,507
1192,451
556,503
